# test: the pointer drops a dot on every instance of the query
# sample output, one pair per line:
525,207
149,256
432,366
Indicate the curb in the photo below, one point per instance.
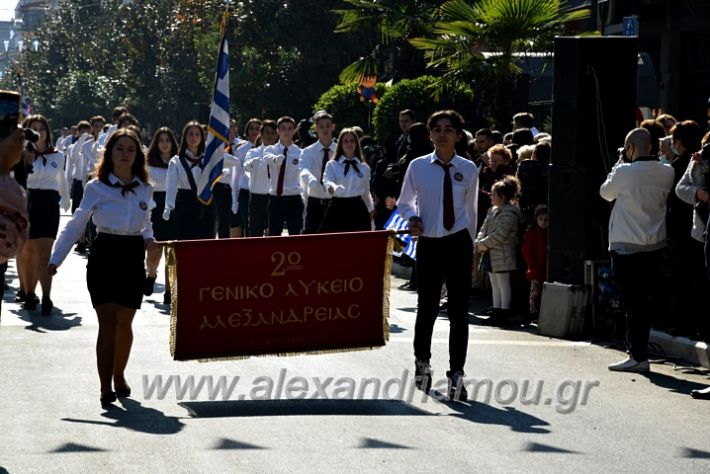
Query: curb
695,352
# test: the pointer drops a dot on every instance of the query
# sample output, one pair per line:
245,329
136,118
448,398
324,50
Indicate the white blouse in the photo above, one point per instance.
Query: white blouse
112,211
355,183
158,177
48,173
176,177
258,170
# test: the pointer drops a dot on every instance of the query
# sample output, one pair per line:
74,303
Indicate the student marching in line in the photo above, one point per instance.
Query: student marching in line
256,167
76,173
285,201
193,219
222,190
47,189
347,179
439,198
119,200
313,162
240,182
162,148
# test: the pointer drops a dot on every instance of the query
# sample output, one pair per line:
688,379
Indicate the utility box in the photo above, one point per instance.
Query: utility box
563,310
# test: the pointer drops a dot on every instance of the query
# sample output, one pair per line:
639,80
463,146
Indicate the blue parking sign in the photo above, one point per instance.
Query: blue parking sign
631,25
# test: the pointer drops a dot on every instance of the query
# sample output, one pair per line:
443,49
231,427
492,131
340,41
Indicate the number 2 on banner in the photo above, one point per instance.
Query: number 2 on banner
281,259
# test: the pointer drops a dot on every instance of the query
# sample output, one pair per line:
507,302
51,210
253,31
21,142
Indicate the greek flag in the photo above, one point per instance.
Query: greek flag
397,222
218,128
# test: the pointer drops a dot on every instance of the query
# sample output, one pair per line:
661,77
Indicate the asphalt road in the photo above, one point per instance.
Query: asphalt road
587,419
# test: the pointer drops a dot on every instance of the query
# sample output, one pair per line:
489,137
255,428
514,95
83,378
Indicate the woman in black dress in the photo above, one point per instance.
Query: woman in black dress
119,200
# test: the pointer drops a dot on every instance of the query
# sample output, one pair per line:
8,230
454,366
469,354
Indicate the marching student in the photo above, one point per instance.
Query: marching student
438,198
119,200
75,172
240,182
285,201
48,190
162,148
193,219
313,162
115,115
257,169
347,179
222,190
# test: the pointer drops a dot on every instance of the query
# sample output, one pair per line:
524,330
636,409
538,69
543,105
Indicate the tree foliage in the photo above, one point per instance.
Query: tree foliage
158,58
415,94
343,102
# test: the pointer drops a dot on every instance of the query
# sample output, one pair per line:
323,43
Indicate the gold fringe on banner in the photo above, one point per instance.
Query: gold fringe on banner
172,274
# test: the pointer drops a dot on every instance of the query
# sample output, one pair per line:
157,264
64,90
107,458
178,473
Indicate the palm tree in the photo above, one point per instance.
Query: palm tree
480,43
390,23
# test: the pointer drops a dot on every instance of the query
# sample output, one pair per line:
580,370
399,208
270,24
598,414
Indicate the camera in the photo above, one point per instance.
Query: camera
621,151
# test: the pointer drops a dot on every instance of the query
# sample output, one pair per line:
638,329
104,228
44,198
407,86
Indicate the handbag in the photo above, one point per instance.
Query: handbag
484,265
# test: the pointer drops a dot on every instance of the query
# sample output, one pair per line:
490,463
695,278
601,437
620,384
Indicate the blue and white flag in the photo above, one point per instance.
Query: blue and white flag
218,127
397,222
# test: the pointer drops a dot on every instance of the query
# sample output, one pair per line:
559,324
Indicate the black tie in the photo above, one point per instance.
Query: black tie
448,197
325,162
282,174
125,188
348,164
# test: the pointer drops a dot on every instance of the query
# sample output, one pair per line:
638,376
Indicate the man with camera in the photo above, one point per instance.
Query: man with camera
640,185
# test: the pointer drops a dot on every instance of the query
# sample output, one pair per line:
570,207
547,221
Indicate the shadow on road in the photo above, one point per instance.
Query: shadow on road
58,321
477,412
134,416
248,408
673,384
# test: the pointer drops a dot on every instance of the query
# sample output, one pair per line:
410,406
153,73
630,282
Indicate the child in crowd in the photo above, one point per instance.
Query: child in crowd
534,250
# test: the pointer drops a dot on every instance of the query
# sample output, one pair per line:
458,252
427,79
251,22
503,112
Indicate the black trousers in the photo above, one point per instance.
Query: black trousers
641,278
243,212
315,210
76,193
223,206
446,259
258,214
285,209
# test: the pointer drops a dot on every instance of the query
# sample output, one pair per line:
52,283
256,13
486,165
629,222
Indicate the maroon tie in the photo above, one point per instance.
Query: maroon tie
325,162
448,197
282,174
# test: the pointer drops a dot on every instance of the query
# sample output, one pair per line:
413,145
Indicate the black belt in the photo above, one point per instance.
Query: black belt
322,202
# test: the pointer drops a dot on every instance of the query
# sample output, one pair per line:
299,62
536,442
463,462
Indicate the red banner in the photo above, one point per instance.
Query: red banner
279,295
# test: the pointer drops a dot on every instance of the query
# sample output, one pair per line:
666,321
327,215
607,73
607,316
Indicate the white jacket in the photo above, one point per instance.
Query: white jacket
692,181
640,189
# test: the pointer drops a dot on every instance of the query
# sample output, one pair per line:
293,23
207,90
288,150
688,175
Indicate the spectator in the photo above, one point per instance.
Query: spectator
667,121
524,120
534,250
637,239
499,166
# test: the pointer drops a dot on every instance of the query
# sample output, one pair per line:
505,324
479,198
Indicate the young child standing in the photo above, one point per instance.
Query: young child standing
534,250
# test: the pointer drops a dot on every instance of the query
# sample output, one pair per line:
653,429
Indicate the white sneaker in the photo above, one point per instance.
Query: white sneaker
631,365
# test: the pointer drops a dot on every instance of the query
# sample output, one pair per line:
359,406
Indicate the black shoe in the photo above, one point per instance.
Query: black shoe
456,389
444,306
703,394
47,306
31,301
148,286
167,298
20,296
123,392
80,248
107,399
422,375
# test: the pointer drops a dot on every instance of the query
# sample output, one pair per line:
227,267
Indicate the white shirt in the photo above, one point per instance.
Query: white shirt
240,180
50,175
423,195
258,170
113,213
640,189
311,165
351,185
176,177
274,156
76,165
89,156
158,176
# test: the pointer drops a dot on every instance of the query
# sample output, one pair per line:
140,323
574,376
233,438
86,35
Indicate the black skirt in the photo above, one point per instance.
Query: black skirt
193,220
115,272
44,213
346,215
162,230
